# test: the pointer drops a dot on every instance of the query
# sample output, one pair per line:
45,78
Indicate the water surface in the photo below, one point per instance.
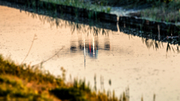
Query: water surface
85,51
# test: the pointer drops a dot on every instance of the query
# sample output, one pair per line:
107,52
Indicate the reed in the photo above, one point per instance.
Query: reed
24,82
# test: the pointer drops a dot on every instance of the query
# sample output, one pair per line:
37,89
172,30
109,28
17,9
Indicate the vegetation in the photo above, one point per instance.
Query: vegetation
26,83
130,2
161,10
169,12
82,4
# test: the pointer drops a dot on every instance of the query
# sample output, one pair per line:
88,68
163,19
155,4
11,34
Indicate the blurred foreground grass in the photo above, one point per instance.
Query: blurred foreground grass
26,83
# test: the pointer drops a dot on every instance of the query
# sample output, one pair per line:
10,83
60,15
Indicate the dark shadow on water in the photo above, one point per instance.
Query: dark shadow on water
152,39
149,38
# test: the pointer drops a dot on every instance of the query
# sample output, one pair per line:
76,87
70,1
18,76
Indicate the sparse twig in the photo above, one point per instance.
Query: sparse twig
50,57
34,38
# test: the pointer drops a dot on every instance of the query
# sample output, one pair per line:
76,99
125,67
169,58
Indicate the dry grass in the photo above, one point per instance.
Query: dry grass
26,83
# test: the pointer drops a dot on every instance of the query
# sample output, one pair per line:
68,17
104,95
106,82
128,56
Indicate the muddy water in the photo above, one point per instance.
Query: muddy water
114,56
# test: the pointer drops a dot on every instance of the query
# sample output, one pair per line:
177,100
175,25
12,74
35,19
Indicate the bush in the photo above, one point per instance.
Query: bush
127,2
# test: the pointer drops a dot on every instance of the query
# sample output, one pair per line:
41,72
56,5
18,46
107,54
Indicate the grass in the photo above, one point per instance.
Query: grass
166,12
26,83
160,10
14,88
82,4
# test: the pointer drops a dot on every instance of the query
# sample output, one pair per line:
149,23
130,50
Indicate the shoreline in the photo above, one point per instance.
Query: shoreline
157,28
102,16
